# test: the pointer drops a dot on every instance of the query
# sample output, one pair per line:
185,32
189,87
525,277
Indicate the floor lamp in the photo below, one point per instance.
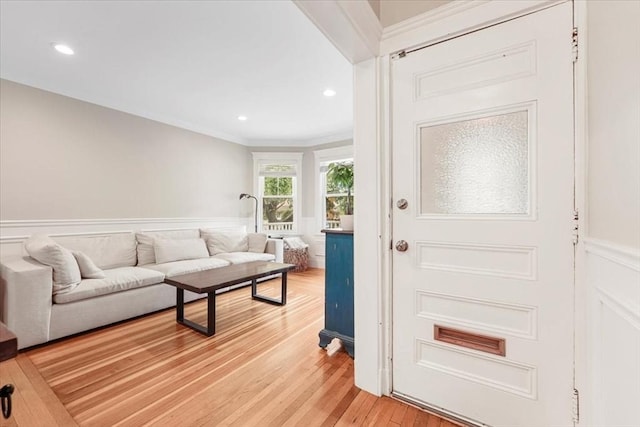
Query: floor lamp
255,214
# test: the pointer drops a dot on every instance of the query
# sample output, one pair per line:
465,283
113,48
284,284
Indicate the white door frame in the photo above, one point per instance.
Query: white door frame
372,145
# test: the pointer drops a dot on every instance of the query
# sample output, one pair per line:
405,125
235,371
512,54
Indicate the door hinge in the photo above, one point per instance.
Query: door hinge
575,230
574,44
576,406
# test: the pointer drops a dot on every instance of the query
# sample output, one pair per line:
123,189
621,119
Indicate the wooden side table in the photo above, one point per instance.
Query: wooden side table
8,343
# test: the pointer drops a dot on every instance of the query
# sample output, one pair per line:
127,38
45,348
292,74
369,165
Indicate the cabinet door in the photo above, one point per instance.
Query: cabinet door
339,284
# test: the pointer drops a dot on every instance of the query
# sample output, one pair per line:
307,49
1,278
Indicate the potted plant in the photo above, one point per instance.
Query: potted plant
341,175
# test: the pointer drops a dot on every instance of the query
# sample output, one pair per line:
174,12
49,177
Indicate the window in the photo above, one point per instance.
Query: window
332,200
278,182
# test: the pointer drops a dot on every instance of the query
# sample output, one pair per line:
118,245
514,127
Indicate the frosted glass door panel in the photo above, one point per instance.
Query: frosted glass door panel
478,166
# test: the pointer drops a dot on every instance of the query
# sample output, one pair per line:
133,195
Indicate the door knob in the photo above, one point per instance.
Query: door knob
402,204
402,245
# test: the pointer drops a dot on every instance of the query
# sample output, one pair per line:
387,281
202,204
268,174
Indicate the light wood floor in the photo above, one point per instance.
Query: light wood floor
262,368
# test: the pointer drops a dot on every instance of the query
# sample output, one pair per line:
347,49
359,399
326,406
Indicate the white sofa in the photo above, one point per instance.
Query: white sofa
130,269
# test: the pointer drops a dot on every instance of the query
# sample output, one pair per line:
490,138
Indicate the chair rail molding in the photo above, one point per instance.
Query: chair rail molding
14,232
622,255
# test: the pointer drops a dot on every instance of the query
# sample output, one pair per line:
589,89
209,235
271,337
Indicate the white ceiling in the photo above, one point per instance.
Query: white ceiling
193,64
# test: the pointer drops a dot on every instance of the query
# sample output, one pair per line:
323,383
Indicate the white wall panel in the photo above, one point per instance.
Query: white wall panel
613,281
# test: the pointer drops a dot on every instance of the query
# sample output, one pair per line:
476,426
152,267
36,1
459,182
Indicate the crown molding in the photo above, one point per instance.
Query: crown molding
352,26
327,139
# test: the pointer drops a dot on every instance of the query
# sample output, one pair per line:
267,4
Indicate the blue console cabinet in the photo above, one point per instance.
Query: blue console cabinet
338,288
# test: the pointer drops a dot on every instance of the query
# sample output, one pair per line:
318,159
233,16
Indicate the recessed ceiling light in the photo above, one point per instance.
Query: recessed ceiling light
62,48
329,92
242,118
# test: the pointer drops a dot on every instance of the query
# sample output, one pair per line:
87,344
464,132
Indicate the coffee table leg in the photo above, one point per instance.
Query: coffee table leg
211,313
284,288
283,295
179,305
210,329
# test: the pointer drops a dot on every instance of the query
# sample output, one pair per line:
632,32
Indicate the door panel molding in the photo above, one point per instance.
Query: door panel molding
516,262
515,62
491,316
472,365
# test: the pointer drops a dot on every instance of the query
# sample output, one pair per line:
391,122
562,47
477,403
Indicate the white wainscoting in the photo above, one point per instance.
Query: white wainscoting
315,239
14,232
613,292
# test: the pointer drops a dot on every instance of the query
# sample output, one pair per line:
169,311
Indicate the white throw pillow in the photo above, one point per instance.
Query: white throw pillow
168,250
106,251
66,273
294,243
220,241
146,254
257,242
88,269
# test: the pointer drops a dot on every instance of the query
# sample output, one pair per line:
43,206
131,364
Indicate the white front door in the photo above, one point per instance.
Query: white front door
483,155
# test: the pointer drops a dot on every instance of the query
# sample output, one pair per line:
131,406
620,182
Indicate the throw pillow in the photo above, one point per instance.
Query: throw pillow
88,269
294,243
219,241
146,254
257,242
168,250
66,273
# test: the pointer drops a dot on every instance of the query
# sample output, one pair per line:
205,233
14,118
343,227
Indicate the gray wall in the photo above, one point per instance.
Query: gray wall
61,158
375,5
394,11
613,80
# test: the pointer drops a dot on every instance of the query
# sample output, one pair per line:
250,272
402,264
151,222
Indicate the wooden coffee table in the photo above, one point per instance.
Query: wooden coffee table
209,281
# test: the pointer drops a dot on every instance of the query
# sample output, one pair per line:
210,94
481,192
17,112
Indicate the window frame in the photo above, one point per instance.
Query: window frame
323,157
278,158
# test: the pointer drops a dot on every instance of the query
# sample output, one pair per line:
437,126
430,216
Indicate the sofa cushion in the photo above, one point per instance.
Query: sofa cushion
146,252
257,242
168,250
171,269
219,241
106,251
66,273
116,280
88,270
242,257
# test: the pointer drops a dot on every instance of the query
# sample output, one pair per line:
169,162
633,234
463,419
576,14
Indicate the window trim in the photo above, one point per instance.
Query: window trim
279,158
326,156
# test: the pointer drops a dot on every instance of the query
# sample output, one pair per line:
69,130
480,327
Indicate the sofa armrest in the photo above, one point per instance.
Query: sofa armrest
275,247
26,288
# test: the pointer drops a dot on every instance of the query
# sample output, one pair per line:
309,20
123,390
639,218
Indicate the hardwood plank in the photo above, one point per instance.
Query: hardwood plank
263,367
409,416
48,397
33,403
357,412
399,412
381,412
